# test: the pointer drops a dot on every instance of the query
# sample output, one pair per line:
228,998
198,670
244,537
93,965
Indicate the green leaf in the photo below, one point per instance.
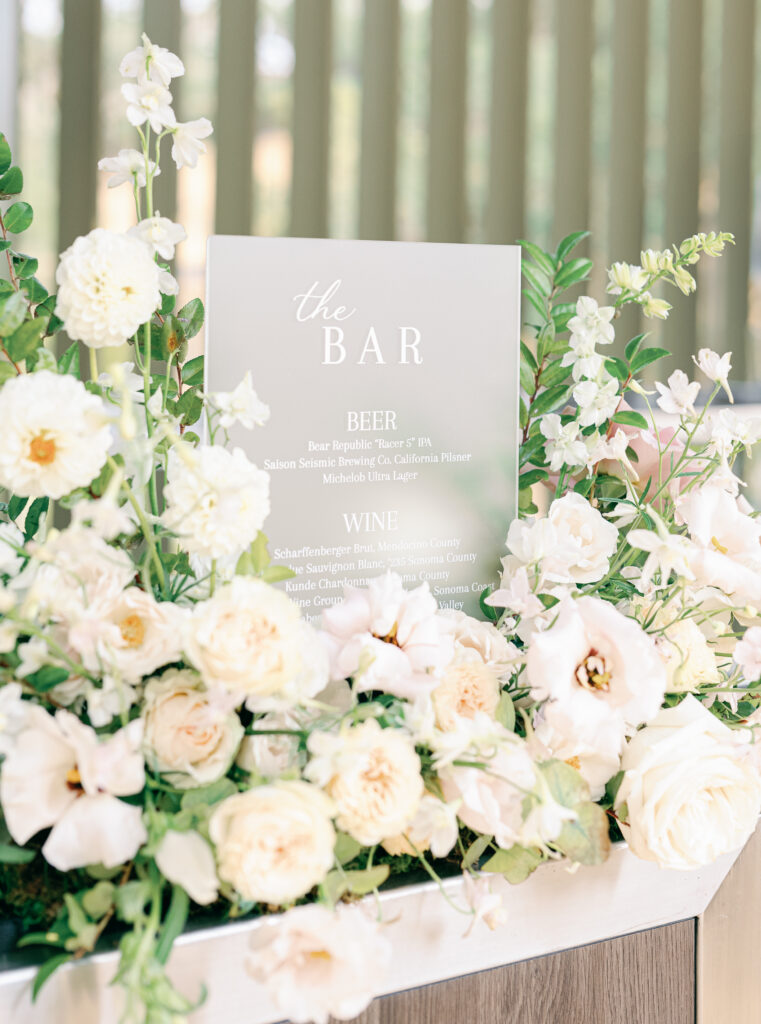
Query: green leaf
189,406
554,373
259,552
5,154
192,371
488,611
362,882
47,677
46,970
522,413
192,314
69,361
475,851
531,477
549,400
648,355
572,272
11,854
172,338
12,313
208,795
35,291
99,900
528,357
277,573
505,713
630,418
26,338
346,848
531,448
570,242
6,371
18,217
515,864
76,915
526,379
11,183
633,345
612,787
16,506
538,281
536,302
564,783
586,839
130,899
36,511
617,367
173,924
544,261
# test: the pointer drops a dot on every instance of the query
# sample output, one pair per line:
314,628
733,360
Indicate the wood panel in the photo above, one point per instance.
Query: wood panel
646,978
162,24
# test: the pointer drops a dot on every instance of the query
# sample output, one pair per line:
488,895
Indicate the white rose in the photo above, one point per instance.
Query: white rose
691,790
481,637
690,662
372,774
467,686
250,639
317,963
584,541
275,842
185,738
594,654
270,755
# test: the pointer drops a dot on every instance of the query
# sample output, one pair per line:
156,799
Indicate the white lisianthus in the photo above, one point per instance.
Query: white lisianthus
565,445
108,285
241,405
186,141
690,791
748,654
593,653
270,755
584,541
128,166
597,401
715,367
185,737
151,102
433,828
11,545
250,640
467,686
387,637
216,500
690,662
314,962
274,843
678,394
372,775
151,62
55,435
186,859
59,773
161,234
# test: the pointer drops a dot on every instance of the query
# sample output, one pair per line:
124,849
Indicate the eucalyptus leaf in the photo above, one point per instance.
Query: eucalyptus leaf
564,783
47,970
475,851
586,839
514,864
346,848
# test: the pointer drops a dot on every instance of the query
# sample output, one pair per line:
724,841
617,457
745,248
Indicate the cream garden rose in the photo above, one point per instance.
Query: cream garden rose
274,843
186,738
467,686
373,776
691,791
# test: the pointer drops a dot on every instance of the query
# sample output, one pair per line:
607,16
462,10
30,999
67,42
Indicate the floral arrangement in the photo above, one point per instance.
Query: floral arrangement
174,736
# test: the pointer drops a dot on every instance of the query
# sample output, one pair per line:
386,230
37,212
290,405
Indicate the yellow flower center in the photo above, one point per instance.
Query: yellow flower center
73,778
42,449
319,954
132,629
593,674
718,545
574,762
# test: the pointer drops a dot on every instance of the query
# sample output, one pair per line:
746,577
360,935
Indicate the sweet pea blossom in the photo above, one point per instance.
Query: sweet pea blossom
565,446
748,653
678,395
667,553
186,141
160,233
597,401
593,320
241,405
150,62
151,102
716,368
129,165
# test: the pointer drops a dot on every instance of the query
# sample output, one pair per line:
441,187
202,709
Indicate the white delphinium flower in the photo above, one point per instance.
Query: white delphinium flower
691,789
186,141
151,102
11,545
12,716
653,260
433,828
55,435
108,285
667,552
565,445
241,405
626,277
387,637
250,640
152,62
584,541
314,962
594,654
161,234
677,396
653,307
274,843
597,401
583,358
684,280
60,774
593,320
515,593
613,449
485,904
748,654
128,166
186,859
371,774
715,367
216,500
104,517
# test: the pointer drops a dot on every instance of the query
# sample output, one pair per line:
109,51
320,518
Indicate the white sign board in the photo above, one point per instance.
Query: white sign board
391,369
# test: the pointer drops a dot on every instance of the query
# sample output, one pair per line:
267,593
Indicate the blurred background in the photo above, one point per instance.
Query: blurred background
449,120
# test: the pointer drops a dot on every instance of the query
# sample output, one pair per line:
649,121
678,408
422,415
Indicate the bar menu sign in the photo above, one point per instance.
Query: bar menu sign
391,371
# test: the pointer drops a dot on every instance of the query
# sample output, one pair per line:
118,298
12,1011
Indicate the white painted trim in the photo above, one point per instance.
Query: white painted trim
555,909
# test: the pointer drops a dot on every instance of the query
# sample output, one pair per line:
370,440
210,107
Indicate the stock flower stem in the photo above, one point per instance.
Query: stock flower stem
145,527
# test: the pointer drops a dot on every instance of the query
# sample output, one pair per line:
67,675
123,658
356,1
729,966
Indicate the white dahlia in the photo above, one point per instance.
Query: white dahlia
108,285
216,501
55,435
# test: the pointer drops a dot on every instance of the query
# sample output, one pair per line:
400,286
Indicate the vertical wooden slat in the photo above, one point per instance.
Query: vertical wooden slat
79,138
446,155
311,118
10,44
571,186
683,158
380,77
627,130
161,22
509,100
735,163
234,125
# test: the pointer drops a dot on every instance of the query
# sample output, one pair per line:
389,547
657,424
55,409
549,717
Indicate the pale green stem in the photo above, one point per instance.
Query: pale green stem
93,364
150,540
